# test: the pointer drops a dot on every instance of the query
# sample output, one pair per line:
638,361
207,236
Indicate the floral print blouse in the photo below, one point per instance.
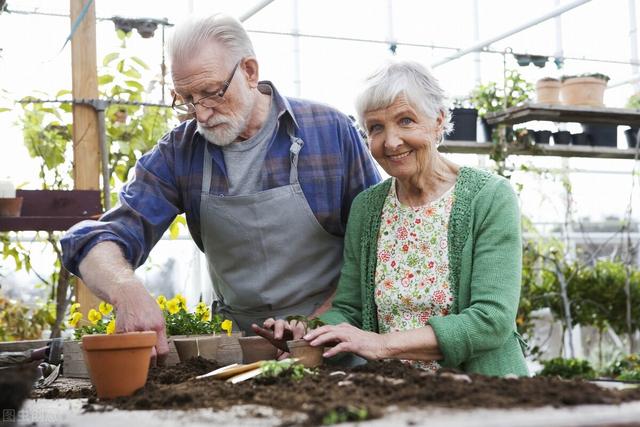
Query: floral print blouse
412,272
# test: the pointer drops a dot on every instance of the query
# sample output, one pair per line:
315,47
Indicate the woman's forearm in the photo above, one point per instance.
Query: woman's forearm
415,344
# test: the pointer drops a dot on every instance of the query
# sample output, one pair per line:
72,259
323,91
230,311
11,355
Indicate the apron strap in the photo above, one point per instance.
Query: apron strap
206,169
294,151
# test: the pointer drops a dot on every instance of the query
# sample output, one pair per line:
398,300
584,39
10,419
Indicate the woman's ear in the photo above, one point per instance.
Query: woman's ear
250,68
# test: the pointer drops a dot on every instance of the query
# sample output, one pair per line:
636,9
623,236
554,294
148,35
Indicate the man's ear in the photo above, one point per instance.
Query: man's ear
250,68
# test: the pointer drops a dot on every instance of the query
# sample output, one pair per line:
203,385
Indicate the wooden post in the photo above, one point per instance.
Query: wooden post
86,149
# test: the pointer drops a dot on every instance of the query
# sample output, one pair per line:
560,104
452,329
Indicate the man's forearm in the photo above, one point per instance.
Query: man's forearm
104,270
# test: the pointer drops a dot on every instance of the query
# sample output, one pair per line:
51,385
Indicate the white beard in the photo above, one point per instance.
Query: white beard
230,127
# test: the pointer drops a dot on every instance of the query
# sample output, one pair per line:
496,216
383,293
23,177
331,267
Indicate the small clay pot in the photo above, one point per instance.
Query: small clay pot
10,207
309,356
118,364
256,348
205,346
548,91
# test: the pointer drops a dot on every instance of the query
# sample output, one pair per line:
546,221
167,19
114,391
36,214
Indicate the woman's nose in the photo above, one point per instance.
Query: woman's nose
392,140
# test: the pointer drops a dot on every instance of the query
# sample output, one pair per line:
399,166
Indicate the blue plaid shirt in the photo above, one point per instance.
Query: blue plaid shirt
333,167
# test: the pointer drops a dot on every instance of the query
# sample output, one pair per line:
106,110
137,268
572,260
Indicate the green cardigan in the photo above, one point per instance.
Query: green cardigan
485,263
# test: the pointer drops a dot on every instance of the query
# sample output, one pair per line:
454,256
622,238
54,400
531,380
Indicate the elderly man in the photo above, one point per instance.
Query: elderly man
266,183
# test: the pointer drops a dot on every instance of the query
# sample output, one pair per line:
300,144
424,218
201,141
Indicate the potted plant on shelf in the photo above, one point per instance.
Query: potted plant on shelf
10,205
118,363
309,356
463,118
548,90
491,97
191,334
584,89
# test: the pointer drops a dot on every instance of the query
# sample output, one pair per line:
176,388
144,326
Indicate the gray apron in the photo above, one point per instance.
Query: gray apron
267,254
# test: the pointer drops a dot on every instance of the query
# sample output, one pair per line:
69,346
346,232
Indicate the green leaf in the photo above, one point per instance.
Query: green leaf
62,93
132,72
140,62
134,84
3,109
105,79
109,58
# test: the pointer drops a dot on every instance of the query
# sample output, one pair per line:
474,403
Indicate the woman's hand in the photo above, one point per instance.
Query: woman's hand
348,338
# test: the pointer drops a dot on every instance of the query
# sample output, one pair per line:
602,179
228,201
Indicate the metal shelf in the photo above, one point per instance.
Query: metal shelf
472,147
565,113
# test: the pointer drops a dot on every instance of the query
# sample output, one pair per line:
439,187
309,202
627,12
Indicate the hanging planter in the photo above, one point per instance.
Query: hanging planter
584,90
548,91
119,363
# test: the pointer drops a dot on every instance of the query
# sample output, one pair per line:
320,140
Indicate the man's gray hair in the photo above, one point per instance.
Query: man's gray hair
411,79
194,32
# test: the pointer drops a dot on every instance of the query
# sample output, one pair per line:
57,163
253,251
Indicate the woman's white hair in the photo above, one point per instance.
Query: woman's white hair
411,79
195,31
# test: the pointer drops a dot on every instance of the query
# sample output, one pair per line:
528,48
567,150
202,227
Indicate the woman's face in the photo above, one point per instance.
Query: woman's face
402,140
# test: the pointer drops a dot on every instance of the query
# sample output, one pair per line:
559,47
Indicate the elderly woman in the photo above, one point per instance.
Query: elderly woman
432,256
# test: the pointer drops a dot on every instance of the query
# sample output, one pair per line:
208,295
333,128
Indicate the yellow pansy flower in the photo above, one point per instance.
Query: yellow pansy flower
173,305
94,316
183,301
105,308
111,326
204,315
201,308
75,318
161,300
227,325
74,307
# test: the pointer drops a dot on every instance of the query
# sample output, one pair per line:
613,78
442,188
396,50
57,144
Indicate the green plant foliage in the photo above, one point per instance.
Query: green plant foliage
634,101
492,97
568,369
625,368
19,322
285,368
308,323
343,414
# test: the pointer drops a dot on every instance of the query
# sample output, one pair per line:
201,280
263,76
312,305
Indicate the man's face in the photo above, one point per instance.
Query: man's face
203,75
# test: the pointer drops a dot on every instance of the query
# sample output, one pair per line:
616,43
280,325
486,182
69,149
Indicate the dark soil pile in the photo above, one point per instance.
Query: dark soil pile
362,392
15,385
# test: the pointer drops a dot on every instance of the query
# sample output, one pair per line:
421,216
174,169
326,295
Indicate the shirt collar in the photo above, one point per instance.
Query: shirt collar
282,103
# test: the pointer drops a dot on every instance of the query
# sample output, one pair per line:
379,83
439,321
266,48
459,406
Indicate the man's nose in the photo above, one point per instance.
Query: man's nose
203,113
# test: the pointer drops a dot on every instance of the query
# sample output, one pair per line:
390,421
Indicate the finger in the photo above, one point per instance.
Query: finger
328,337
265,333
269,323
298,331
154,358
278,329
318,331
343,347
162,346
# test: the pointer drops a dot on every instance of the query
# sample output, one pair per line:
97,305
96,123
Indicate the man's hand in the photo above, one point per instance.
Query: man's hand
348,338
278,332
138,311
109,276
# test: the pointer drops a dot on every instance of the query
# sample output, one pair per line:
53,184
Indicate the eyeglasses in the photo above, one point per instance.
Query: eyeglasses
207,101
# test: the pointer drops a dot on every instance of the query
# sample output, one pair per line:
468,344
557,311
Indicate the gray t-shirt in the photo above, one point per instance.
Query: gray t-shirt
244,160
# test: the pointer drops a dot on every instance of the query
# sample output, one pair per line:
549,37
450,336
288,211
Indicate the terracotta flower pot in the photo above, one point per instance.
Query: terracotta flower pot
119,363
309,356
205,346
256,348
10,207
548,91
583,91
